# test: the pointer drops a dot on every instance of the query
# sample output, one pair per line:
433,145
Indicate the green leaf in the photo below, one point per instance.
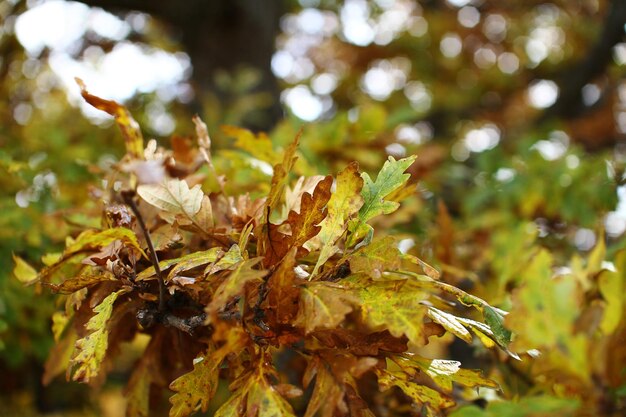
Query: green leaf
90,350
25,273
97,239
196,388
495,321
389,179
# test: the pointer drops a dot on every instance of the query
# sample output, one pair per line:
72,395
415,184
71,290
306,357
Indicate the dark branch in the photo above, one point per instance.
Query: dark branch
569,104
128,199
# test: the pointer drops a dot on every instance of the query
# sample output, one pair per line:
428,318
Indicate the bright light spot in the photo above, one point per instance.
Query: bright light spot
485,138
323,84
505,174
591,94
262,166
619,53
418,26
458,3
282,64
553,148
405,245
584,239
572,161
303,103
508,62
35,31
615,223
107,25
544,40
468,16
22,113
451,45
396,150
356,26
484,58
311,21
543,94
459,151
418,95
495,27
385,76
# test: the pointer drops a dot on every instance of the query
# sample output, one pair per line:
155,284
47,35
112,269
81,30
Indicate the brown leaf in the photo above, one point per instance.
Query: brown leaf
129,127
283,296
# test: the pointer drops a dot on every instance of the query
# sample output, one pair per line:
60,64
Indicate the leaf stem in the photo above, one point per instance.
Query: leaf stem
127,196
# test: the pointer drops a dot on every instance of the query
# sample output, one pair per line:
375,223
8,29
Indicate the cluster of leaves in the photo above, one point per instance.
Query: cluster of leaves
267,294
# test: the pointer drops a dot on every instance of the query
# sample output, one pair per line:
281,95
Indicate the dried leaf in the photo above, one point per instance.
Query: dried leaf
174,197
129,127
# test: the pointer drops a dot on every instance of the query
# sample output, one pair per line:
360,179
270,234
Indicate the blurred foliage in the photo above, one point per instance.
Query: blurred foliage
506,204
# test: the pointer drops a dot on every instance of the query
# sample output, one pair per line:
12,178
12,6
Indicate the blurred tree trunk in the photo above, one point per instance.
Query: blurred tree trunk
220,35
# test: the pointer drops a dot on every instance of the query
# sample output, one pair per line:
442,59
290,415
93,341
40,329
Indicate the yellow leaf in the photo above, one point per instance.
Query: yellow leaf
195,389
394,306
90,351
420,394
344,203
323,305
25,273
612,285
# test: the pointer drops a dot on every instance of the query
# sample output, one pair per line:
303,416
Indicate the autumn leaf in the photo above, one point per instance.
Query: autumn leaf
450,323
379,256
304,225
129,127
174,198
196,388
612,285
281,175
343,203
194,260
231,258
420,394
443,372
323,305
394,306
87,277
264,401
259,146
327,394
25,273
91,349
234,284
283,296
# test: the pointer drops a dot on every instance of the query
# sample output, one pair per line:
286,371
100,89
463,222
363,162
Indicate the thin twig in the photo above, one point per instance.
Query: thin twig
128,199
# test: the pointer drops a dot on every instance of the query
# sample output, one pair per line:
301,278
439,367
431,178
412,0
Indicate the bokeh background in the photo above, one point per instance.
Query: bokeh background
516,110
